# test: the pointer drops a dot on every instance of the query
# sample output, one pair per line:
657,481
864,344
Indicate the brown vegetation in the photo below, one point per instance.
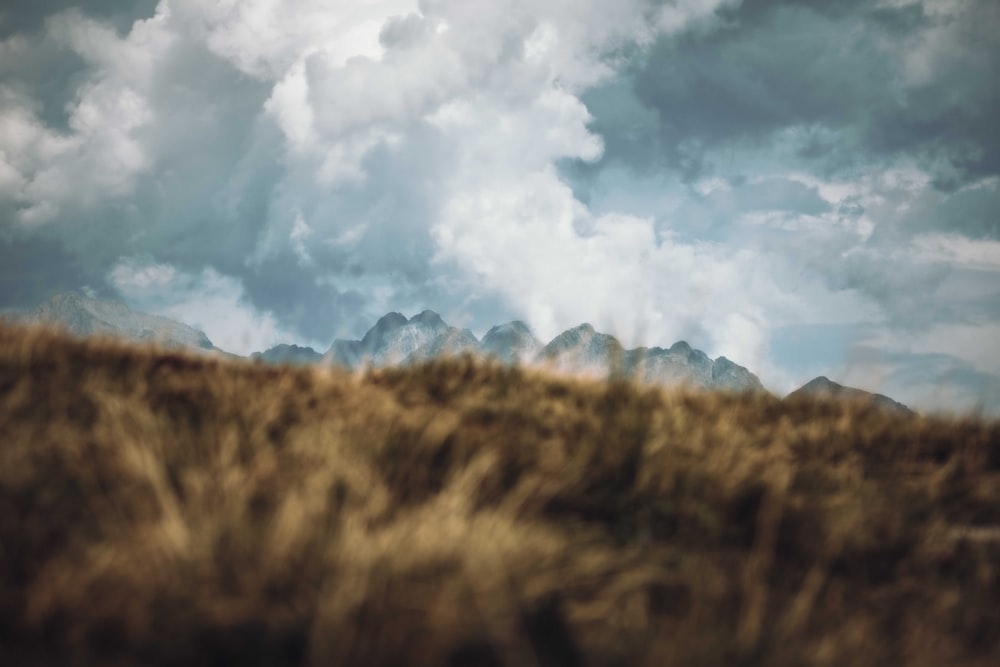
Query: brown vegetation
164,508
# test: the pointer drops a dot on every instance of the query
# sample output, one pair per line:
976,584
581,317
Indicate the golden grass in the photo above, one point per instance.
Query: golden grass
164,508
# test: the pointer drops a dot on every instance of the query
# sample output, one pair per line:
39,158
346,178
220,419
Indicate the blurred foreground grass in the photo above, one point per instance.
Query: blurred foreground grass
164,508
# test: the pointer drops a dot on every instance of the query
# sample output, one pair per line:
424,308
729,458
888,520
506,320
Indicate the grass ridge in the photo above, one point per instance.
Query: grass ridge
159,507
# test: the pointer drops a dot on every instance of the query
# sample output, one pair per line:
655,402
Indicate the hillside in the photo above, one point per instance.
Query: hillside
823,386
167,508
288,354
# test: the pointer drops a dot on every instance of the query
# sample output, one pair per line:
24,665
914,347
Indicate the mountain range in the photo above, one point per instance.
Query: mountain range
579,351
394,339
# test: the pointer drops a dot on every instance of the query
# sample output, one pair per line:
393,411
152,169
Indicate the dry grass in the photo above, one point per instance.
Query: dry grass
161,508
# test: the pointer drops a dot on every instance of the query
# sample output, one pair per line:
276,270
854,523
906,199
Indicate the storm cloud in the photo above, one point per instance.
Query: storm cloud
796,185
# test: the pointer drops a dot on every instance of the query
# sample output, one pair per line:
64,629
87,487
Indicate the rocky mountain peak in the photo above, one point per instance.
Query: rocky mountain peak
512,342
580,335
395,339
428,318
390,321
387,323
821,383
509,329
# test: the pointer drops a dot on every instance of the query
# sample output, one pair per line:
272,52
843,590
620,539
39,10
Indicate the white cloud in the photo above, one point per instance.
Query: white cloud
265,38
499,84
521,239
134,277
974,343
301,232
100,156
11,181
335,106
209,301
957,250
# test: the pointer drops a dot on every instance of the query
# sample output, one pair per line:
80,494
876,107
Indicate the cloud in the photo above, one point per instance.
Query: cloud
712,170
209,301
929,382
99,157
34,269
866,81
28,16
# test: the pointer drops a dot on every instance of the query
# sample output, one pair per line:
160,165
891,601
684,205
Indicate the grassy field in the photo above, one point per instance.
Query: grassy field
159,508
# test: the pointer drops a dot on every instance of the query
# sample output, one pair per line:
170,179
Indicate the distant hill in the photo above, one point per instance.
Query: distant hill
823,386
84,316
288,354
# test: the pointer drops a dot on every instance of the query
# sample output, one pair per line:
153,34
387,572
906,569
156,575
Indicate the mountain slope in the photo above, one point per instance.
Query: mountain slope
83,316
583,350
823,386
680,364
449,343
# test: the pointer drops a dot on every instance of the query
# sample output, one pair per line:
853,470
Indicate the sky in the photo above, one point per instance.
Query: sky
804,187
